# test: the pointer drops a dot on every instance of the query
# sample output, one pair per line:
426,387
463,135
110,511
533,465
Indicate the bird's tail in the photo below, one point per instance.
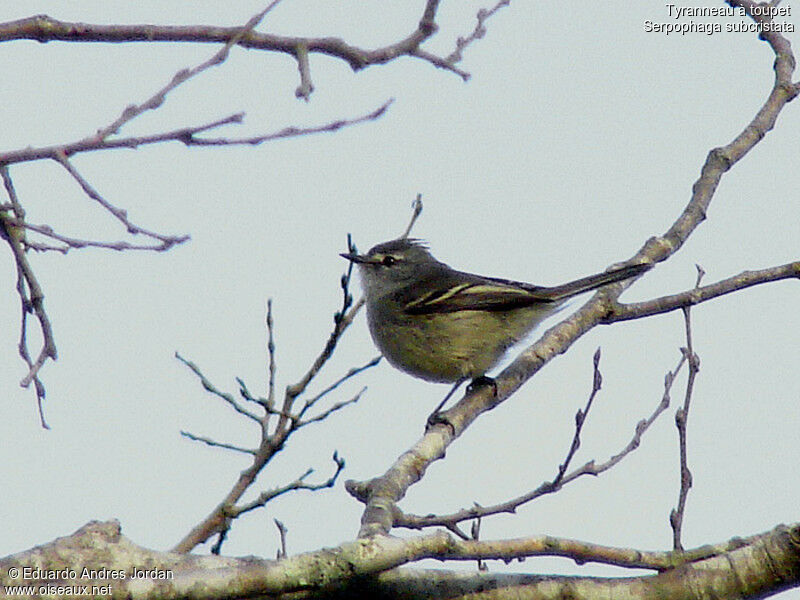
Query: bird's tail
579,286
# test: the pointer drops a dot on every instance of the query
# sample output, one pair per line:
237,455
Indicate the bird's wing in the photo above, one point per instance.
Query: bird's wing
472,292
465,291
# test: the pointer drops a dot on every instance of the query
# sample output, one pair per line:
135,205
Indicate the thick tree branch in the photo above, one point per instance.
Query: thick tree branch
757,566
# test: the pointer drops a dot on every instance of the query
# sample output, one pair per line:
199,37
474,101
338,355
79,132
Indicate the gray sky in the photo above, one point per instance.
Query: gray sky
577,138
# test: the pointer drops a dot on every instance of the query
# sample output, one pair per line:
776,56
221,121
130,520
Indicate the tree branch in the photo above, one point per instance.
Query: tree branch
43,28
681,422
185,135
697,295
30,294
756,566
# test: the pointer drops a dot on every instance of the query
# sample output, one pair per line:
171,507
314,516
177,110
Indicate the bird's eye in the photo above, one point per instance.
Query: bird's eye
388,261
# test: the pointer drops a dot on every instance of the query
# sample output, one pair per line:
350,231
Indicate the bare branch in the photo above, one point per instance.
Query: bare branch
327,413
416,211
681,421
30,295
185,135
72,243
44,28
366,568
271,353
580,419
288,132
697,295
272,442
216,549
208,386
216,444
477,33
341,321
297,484
282,532
579,551
120,214
349,375
441,63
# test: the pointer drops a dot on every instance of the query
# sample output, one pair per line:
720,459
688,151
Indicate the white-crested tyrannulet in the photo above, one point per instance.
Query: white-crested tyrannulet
444,325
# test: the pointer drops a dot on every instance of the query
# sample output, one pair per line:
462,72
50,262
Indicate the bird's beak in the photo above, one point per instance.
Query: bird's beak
356,258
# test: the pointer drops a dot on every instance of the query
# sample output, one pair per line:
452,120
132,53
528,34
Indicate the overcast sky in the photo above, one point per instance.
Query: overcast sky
577,138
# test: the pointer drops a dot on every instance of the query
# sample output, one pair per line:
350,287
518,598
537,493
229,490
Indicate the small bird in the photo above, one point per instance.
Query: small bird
447,326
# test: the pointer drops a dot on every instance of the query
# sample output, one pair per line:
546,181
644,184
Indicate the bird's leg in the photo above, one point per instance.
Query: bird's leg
436,417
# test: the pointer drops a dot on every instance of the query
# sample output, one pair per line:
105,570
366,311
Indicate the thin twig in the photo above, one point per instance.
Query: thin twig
350,374
580,418
118,213
297,484
416,211
271,355
341,320
30,295
282,532
681,421
228,398
185,135
288,132
216,444
216,549
477,33
77,243
326,413
245,393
